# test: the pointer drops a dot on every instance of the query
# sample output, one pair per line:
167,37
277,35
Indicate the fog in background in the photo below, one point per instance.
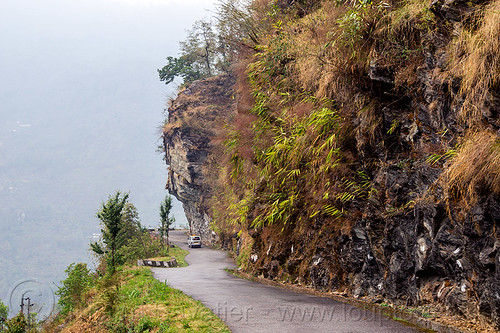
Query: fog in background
81,108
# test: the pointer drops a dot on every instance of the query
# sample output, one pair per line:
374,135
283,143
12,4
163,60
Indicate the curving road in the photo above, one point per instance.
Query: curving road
248,306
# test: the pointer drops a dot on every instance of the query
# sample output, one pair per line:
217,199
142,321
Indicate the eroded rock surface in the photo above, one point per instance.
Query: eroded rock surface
195,119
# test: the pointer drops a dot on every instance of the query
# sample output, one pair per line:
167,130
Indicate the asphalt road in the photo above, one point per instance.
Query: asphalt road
248,306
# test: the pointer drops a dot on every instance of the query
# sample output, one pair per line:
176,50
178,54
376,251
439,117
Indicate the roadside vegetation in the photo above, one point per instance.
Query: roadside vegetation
4,311
119,296
166,221
174,252
299,164
132,301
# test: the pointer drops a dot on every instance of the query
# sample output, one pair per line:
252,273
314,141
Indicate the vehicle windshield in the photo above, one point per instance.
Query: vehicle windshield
196,238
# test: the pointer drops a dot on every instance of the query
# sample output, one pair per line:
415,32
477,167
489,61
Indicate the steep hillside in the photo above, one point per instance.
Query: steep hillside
363,155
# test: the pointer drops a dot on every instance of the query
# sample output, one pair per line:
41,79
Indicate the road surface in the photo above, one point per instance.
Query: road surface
248,307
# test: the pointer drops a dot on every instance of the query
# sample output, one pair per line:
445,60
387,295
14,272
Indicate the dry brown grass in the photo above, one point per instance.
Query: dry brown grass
325,64
314,60
370,121
321,59
400,36
86,322
159,311
476,60
300,110
476,168
405,22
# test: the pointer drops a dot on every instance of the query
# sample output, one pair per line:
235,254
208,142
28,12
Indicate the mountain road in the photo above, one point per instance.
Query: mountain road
247,306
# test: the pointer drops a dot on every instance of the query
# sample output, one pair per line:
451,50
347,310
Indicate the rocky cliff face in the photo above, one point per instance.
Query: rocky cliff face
195,119
412,242
426,230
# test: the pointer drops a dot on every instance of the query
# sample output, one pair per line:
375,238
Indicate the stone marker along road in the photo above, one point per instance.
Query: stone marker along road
248,306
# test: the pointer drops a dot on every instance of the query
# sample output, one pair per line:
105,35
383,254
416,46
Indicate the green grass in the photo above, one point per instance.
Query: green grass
176,252
147,304
132,301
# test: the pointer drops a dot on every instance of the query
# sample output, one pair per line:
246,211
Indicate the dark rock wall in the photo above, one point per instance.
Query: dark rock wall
410,243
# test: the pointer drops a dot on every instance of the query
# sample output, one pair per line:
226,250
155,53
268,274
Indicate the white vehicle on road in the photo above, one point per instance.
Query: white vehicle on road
194,241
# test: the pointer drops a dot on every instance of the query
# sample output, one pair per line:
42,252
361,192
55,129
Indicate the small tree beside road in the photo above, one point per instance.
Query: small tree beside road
113,238
165,220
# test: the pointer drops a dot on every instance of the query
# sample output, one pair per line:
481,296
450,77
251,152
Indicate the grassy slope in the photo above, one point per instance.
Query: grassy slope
144,305
141,304
177,253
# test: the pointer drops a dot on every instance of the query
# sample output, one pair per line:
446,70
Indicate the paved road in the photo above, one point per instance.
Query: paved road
248,306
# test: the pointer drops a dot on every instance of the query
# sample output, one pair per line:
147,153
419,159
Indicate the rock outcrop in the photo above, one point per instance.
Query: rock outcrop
195,119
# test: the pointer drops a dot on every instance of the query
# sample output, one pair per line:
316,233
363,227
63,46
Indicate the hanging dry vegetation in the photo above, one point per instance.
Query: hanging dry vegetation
477,62
475,170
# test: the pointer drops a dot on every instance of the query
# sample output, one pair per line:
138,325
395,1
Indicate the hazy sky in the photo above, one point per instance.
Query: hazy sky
64,64
80,111
48,44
